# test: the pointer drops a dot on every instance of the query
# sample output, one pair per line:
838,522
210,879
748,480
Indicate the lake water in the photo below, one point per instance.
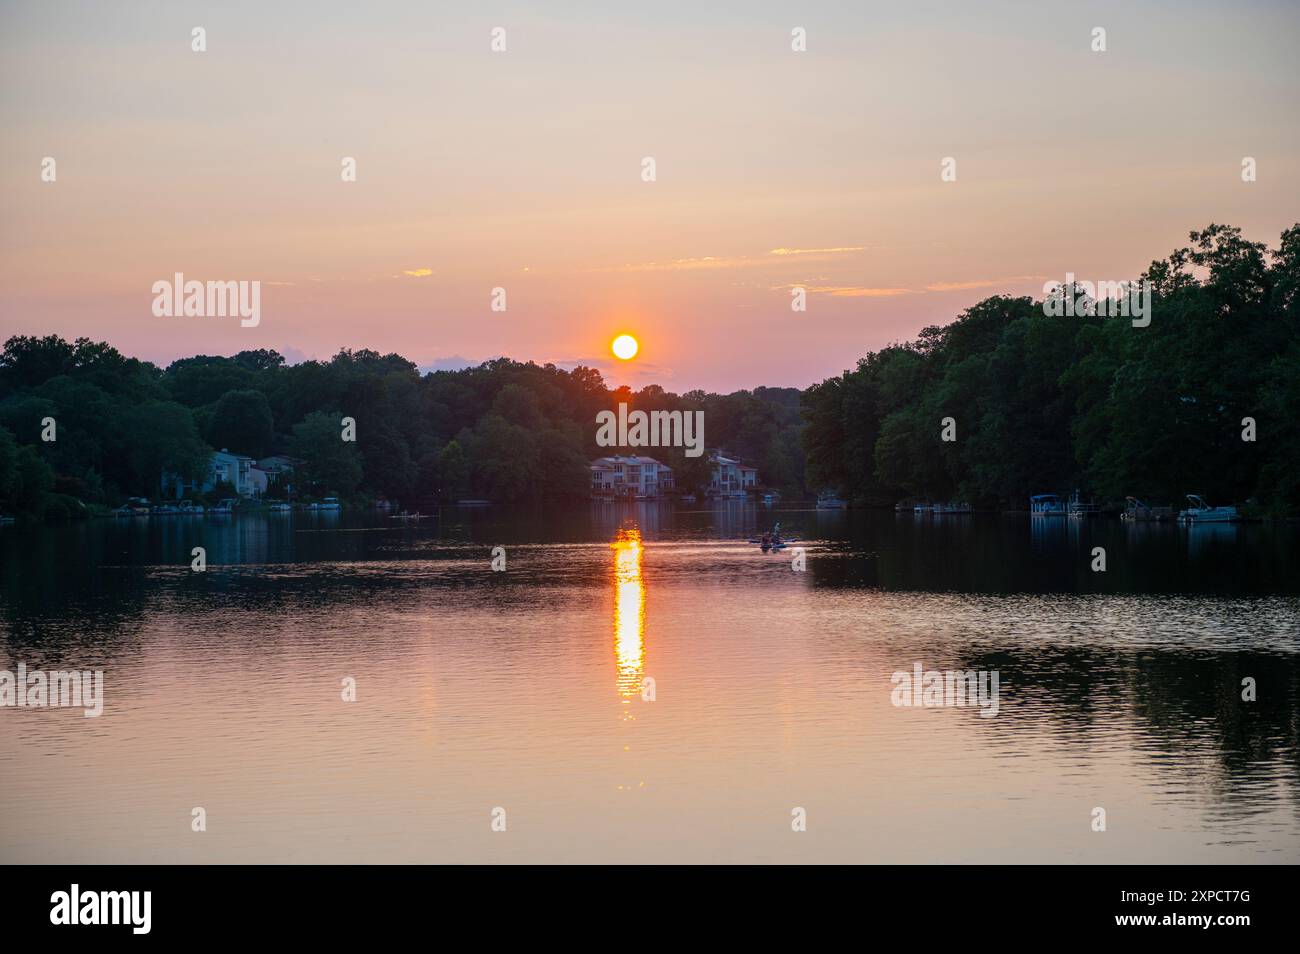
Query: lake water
523,690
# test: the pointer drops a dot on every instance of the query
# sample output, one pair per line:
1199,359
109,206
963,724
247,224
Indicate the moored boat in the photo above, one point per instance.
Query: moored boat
1137,510
1201,512
1046,505
1077,508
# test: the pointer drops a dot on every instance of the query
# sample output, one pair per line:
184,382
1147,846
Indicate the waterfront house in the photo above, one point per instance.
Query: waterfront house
258,480
223,466
278,464
729,477
233,469
630,476
276,467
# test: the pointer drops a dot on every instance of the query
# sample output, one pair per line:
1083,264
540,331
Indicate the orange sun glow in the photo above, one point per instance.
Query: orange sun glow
624,347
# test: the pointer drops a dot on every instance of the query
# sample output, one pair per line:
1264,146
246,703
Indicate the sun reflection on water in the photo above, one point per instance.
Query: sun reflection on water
629,614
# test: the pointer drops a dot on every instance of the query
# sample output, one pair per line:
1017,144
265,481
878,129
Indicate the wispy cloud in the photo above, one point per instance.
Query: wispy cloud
418,272
818,251
729,261
982,283
682,264
848,291
851,291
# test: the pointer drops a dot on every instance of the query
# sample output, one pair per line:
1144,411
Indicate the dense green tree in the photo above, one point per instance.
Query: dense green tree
242,422
1046,403
9,487
386,459
160,437
25,479
204,379
1279,483
503,459
330,465
452,480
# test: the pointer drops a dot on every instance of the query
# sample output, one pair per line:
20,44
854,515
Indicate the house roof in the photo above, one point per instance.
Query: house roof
609,462
729,461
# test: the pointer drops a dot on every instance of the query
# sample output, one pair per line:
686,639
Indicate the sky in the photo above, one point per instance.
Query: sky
523,170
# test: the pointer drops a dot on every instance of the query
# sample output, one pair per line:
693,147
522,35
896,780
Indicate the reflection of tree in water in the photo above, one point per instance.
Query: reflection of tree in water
1020,554
56,611
91,633
57,607
1178,709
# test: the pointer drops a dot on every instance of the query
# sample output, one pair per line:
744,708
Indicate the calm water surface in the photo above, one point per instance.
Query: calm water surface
522,689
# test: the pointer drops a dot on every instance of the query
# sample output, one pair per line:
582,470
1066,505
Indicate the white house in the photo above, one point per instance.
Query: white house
234,469
270,468
730,478
630,476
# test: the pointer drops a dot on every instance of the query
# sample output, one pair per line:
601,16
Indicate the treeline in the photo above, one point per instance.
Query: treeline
505,431
1038,404
1048,404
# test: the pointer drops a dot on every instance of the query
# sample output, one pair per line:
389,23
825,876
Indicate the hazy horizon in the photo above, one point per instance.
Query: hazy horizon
522,169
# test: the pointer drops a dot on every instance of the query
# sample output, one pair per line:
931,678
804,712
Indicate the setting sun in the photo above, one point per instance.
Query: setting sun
625,347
